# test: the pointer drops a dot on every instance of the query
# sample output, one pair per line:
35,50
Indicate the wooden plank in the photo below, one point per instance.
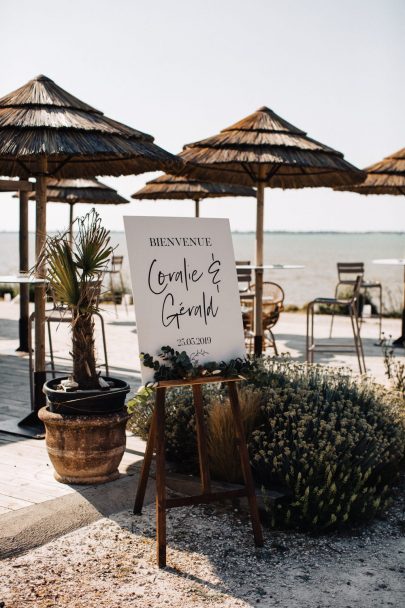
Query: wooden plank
193,381
30,494
11,185
12,504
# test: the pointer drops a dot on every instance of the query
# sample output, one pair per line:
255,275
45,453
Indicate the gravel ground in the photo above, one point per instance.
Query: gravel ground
211,562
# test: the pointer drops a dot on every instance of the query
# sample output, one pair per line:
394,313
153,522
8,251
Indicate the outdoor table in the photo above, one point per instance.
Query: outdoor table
30,426
271,267
397,262
250,295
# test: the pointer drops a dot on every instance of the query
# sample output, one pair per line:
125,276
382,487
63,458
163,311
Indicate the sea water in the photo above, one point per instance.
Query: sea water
318,252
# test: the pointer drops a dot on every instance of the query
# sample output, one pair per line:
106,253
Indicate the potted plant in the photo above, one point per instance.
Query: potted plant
85,416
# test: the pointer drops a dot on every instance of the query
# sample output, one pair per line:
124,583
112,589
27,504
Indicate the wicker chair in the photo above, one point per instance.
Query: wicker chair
273,299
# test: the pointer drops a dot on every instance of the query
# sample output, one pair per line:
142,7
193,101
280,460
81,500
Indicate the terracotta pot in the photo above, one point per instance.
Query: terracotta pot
85,449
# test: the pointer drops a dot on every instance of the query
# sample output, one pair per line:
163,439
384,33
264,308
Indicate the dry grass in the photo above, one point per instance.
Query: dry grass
222,447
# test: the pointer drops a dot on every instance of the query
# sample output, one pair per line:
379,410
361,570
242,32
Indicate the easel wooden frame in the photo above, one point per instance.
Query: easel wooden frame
156,440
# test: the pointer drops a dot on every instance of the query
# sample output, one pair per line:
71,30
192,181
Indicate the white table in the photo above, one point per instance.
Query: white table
271,267
397,262
21,279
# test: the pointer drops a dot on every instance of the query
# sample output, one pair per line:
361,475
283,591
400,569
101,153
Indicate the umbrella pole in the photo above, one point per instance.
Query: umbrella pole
39,369
197,207
71,205
258,324
24,263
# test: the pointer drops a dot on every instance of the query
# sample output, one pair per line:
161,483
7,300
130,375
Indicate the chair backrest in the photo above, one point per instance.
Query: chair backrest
348,271
116,263
273,296
244,275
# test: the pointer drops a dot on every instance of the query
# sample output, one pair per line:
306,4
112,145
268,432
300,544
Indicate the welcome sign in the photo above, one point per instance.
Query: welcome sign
185,287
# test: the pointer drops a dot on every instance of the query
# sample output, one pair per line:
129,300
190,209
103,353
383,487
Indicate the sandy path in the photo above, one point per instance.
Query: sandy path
212,562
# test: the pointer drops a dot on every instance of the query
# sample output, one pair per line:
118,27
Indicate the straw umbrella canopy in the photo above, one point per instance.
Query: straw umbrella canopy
46,131
264,150
183,188
385,177
72,191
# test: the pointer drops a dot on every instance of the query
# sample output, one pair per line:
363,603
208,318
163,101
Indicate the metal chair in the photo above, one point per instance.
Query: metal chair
273,299
351,305
244,276
347,274
116,271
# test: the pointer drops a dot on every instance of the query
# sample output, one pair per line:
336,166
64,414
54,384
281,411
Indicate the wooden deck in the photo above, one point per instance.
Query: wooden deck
26,474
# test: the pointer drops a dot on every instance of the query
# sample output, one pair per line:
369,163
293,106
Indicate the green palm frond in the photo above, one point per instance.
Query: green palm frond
93,249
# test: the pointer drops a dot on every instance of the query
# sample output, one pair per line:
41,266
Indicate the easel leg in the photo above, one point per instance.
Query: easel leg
143,480
244,458
160,478
201,440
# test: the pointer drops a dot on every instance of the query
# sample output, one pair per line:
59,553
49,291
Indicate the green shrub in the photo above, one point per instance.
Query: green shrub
334,442
4,288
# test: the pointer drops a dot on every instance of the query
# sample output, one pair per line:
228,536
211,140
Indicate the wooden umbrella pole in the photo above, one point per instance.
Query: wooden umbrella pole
258,324
197,207
71,205
24,265
39,370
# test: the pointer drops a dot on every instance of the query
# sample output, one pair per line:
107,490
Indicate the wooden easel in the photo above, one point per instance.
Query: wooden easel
156,440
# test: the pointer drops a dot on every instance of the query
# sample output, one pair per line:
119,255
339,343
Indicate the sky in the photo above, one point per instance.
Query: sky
184,70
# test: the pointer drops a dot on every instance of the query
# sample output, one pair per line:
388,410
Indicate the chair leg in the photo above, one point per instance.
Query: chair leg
97,314
123,293
307,338
246,470
357,338
380,313
48,323
30,360
113,294
362,358
310,333
333,310
273,341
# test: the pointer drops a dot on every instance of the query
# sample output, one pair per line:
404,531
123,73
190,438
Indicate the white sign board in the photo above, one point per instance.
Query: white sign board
185,287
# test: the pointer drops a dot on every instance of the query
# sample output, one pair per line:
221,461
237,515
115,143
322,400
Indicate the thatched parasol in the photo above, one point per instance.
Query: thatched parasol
72,191
183,188
264,150
45,131
384,177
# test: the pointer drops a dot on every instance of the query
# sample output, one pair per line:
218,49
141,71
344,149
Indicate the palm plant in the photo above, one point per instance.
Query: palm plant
74,271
